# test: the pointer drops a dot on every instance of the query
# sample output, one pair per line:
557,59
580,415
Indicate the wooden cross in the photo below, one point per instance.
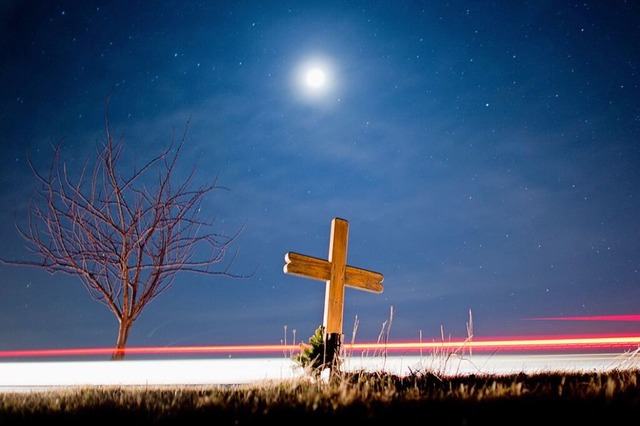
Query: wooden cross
336,273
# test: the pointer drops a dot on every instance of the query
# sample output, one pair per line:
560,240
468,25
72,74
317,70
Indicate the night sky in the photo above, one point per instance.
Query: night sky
486,156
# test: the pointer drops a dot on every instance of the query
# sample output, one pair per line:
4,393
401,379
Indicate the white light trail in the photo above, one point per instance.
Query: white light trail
17,376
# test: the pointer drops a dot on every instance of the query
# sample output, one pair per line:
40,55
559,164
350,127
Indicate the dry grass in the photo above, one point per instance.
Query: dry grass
374,398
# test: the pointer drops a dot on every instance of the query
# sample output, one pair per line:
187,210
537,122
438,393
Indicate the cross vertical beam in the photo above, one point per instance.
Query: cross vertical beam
334,293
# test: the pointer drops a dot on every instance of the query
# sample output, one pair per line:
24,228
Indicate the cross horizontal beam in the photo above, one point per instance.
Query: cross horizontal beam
320,269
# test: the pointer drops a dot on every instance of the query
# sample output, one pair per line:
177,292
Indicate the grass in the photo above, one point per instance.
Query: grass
356,397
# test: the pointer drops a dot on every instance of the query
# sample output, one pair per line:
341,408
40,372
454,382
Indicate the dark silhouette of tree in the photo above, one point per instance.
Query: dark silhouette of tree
125,236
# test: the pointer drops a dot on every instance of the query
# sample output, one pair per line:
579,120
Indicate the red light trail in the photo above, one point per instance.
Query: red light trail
451,346
591,318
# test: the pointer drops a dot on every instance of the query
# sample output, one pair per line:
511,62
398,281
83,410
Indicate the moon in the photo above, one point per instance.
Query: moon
315,78
315,81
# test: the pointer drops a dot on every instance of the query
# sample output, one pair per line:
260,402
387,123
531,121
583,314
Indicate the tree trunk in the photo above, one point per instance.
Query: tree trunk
121,343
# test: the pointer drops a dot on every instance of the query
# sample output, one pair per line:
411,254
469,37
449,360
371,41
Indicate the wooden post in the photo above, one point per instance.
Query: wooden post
337,275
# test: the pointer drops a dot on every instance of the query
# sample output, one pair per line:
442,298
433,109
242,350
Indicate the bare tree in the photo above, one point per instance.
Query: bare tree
125,237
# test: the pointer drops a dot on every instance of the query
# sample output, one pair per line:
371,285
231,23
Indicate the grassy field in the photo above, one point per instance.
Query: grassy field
363,398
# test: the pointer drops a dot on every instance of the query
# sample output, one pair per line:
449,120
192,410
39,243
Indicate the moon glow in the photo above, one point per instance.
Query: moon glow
315,78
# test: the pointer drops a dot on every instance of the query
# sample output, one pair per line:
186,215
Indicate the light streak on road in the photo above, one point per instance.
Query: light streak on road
150,350
27,370
42,376
522,344
528,344
632,318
